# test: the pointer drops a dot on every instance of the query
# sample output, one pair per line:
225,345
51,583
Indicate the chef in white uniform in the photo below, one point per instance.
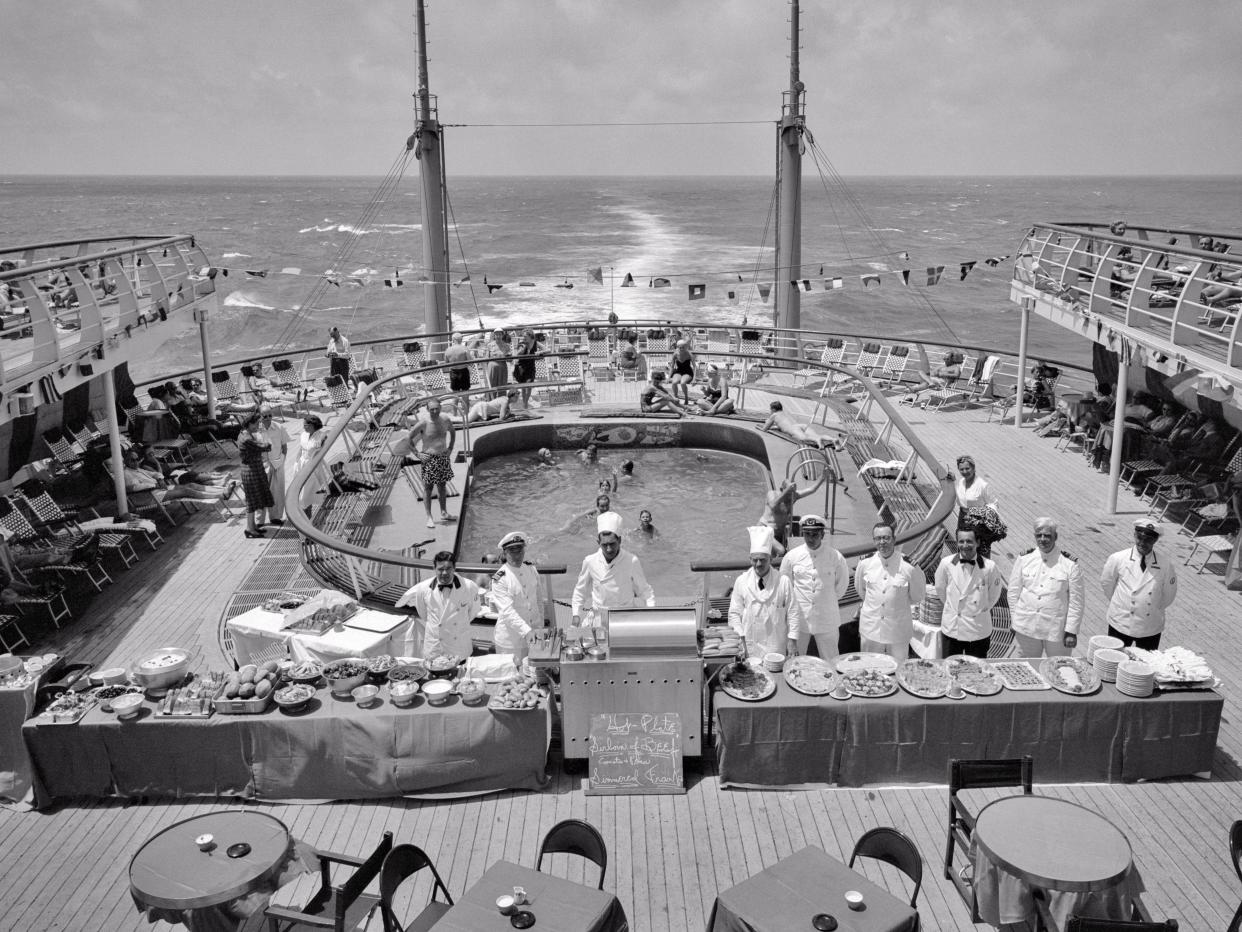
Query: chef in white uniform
888,586
515,593
610,577
1139,586
968,585
763,608
446,604
1045,597
820,577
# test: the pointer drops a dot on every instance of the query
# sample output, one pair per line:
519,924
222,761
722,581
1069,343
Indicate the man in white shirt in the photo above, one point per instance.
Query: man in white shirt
610,577
888,586
1045,597
275,464
338,354
446,604
763,608
968,585
820,577
1139,587
515,593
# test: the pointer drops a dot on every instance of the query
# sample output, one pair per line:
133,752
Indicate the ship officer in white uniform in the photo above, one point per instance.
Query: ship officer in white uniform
763,608
1139,587
610,577
1045,596
888,586
820,577
515,593
446,604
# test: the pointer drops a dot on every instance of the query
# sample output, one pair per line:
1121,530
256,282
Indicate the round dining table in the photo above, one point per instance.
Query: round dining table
251,854
1079,859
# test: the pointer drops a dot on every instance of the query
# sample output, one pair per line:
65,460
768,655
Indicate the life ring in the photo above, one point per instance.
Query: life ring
1118,228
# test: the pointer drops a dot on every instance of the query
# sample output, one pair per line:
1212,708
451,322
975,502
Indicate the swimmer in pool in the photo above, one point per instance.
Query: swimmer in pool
645,527
544,457
614,485
589,455
602,504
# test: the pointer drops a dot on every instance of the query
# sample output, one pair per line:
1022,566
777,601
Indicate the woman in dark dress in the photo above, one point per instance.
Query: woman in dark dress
524,364
252,442
498,369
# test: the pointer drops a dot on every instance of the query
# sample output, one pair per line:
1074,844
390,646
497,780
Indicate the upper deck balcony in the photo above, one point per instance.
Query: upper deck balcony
72,309
1174,293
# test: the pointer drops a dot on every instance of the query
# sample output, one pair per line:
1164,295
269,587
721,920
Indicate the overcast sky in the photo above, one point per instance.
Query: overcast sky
894,86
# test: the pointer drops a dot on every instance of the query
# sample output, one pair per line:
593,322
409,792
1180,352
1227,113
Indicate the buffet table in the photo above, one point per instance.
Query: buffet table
794,739
333,750
259,635
16,703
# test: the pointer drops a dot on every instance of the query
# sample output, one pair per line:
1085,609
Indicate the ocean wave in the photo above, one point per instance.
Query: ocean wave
244,299
397,228
235,255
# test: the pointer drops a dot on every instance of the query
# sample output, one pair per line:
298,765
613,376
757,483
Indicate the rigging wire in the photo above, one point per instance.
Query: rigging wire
474,298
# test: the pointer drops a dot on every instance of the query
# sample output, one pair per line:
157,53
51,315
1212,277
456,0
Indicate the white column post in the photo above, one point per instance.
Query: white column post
114,444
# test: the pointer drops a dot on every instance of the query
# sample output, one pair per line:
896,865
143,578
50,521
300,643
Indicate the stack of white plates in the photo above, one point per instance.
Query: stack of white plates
1101,642
1135,679
1105,663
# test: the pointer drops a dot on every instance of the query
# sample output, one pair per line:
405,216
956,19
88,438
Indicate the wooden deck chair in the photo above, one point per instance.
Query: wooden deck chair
894,366
412,355
833,353
435,382
571,377
11,634
339,395
63,452
225,389
598,359
51,518
82,436
12,520
956,391
657,341
870,358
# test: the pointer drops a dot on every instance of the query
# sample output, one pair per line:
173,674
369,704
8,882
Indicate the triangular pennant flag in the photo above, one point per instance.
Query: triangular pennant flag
806,284
933,274
838,283
869,280
290,271
393,283
698,292
491,289
596,274
764,291
966,267
463,280
211,273
993,262
628,282
733,296
905,277
821,270
661,283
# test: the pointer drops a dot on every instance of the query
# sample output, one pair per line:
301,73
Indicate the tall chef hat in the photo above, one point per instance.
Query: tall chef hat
608,522
512,538
761,538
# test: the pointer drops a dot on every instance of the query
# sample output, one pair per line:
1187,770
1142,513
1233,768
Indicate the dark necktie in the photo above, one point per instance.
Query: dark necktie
1142,562
762,585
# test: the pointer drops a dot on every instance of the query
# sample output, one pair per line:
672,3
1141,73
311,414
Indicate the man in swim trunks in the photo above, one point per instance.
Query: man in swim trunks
437,436
778,508
800,433
458,376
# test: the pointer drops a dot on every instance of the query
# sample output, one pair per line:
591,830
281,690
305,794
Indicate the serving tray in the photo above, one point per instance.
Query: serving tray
1019,675
810,676
749,684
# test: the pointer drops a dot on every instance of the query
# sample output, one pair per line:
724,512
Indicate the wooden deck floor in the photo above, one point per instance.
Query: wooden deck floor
66,869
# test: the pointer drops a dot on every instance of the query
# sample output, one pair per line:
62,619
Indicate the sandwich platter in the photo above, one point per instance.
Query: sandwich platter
810,676
974,675
927,679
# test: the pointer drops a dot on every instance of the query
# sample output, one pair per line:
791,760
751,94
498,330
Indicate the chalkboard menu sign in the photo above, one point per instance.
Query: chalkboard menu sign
635,753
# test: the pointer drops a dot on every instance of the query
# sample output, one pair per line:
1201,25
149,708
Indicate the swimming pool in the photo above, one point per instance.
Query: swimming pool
702,498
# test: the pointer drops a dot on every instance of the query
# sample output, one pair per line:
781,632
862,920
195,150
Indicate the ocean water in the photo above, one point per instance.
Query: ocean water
715,231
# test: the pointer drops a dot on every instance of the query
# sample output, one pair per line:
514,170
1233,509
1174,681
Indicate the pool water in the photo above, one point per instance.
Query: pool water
701,503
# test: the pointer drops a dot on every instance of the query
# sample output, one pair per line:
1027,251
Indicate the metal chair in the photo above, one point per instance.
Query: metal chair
336,907
892,847
402,862
573,836
971,775
1235,854
11,634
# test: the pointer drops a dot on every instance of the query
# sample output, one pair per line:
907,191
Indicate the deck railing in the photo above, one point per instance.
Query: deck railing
67,308
1179,291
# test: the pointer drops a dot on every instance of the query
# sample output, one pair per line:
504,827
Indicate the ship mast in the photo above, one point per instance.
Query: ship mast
430,152
789,197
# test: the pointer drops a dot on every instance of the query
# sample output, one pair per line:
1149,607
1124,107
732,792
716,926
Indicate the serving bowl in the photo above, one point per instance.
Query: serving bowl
443,666
472,691
365,695
113,676
408,672
295,697
10,664
344,675
306,672
127,706
403,692
438,691
774,662
162,668
379,667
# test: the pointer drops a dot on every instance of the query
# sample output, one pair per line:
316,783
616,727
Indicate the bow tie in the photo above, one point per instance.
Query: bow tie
444,585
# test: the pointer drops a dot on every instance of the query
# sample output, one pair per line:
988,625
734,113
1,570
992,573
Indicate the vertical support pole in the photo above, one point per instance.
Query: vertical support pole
1119,429
114,445
1022,337
202,314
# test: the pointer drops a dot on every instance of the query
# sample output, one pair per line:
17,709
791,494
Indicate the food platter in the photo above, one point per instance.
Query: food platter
974,675
1019,675
810,676
852,663
1176,667
747,683
68,708
927,679
1072,675
520,695
869,684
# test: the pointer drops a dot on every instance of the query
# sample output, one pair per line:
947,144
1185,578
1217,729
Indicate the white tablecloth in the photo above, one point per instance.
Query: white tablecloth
257,636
